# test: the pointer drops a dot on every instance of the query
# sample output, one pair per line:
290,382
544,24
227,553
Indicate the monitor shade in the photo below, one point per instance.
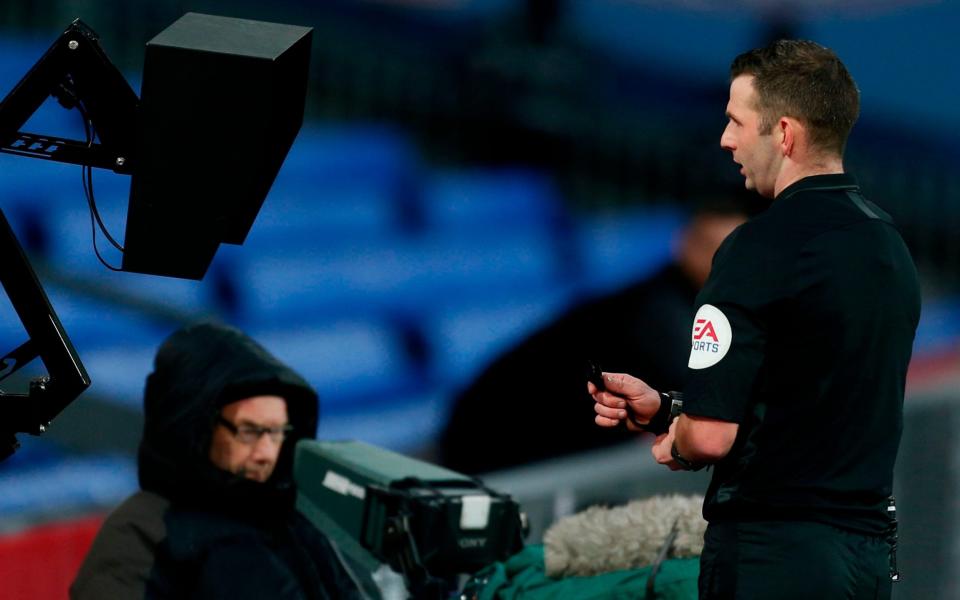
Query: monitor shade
221,103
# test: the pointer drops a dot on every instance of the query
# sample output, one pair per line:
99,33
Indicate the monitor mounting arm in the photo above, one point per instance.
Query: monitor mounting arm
47,396
78,74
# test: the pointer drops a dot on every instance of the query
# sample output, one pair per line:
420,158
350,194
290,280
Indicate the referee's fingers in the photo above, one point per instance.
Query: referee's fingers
609,400
605,422
609,412
623,383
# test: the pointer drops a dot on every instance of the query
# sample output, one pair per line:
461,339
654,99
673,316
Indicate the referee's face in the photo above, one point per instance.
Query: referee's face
756,153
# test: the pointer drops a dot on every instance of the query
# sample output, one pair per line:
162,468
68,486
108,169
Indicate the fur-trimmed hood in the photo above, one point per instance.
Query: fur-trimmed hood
197,371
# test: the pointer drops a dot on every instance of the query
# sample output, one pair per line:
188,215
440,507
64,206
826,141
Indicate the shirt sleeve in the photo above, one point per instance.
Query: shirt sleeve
729,333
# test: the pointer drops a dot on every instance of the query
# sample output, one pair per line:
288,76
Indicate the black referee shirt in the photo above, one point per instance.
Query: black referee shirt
802,336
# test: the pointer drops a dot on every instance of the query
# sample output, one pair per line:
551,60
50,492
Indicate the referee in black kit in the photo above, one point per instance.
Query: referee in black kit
799,355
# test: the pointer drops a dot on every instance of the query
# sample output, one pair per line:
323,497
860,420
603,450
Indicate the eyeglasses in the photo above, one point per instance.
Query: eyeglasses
250,434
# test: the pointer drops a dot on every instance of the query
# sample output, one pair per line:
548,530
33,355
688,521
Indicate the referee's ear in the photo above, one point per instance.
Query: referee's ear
789,129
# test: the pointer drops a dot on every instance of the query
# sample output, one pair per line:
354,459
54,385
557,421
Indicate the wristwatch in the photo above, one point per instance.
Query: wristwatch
676,405
685,464
671,404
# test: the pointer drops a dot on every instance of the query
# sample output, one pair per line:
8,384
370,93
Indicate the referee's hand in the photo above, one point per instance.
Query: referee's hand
611,404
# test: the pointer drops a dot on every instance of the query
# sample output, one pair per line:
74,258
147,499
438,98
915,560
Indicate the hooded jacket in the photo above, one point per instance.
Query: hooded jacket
194,530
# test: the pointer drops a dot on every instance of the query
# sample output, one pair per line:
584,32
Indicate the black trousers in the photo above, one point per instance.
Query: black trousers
787,560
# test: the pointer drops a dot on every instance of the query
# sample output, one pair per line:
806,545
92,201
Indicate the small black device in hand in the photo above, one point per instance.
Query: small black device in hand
595,375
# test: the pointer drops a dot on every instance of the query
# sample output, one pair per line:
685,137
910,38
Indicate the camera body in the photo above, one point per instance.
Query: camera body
415,516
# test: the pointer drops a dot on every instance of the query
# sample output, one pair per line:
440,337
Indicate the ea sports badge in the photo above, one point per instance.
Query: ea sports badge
711,337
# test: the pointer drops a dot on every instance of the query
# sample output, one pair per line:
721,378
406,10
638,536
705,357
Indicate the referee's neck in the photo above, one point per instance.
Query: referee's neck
793,172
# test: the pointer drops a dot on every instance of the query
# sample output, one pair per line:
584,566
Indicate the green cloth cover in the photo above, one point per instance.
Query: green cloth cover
522,577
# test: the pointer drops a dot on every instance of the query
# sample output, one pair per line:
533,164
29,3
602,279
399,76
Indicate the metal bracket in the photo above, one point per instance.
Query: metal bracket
77,73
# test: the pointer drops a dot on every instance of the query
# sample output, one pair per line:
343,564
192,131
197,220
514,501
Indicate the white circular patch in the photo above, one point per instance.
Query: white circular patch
711,337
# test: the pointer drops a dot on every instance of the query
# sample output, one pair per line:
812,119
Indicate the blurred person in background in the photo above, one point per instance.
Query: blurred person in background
215,517
799,352
640,328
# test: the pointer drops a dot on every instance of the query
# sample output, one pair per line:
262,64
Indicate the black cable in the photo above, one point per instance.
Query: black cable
95,212
88,188
93,233
86,177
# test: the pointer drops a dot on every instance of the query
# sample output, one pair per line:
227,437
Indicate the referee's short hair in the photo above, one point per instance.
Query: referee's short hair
805,81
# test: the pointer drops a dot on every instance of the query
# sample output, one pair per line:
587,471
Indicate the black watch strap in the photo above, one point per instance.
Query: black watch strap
671,404
684,463
676,405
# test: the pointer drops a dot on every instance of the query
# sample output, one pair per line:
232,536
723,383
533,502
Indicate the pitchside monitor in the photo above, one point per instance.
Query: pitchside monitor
221,103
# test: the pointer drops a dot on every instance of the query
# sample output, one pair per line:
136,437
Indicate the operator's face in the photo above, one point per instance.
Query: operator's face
758,155
251,448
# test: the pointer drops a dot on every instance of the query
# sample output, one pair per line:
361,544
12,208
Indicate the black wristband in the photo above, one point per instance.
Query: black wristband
670,405
684,463
676,406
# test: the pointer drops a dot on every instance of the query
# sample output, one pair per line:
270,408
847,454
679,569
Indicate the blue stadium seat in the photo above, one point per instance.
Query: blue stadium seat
502,199
42,184
33,452
17,54
350,363
396,275
42,481
336,153
338,183
95,324
619,247
117,373
71,485
335,213
465,339
402,423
